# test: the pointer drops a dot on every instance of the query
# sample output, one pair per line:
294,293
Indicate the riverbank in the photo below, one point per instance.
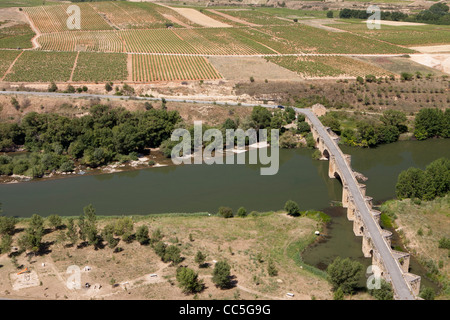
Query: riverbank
138,273
421,225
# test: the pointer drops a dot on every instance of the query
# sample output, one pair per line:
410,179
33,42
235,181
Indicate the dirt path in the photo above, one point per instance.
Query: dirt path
74,66
11,66
35,30
234,18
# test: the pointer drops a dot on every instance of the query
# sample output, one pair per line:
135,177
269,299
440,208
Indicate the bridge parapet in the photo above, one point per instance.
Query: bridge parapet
413,281
387,235
376,215
363,188
403,259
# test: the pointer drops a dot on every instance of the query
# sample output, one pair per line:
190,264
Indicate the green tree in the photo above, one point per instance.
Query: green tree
225,212
71,233
395,118
344,274
242,212
88,226
142,235
261,117
221,275
292,208
427,293
384,292
55,221
5,244
410,184
188,280
200,259
338,294
7,225
172,254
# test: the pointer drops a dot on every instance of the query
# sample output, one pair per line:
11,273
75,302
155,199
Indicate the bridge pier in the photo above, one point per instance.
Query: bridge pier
367,246
403,259
414,282
358,225
345,195
351,208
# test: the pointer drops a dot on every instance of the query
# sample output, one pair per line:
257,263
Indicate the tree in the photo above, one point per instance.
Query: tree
52,87
200,259
261,116
330,14
395,118
160,249
429,123
345,274
427,293
188,280
7,225
55,221
172,254
242,212
32,238
292,208
221,275
5,244
108,236
88,226
384,293
142,235
410,184
71,233
225,212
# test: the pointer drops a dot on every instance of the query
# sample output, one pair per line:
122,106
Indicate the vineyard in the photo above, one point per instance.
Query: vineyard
38,66
16,36
148,68
308,39
327,66
402,35
54,18
98,41
101,67
257,17
7,59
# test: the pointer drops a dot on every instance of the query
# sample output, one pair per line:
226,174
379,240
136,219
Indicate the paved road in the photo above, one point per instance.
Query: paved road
399,283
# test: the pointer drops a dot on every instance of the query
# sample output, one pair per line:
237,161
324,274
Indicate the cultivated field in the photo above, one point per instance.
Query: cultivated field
151,28
37,66
149,68
93,66
8,56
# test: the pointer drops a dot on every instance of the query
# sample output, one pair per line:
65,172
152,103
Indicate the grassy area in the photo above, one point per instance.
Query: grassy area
246,243
25,3
421,225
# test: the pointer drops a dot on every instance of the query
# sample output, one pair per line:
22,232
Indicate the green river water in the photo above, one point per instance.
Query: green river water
204,188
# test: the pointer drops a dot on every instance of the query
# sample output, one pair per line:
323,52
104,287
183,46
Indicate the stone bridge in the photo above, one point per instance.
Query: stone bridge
376,242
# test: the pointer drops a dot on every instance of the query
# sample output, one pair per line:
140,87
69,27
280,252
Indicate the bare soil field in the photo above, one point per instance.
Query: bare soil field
256,67
138,273
199,18
439,62
433,49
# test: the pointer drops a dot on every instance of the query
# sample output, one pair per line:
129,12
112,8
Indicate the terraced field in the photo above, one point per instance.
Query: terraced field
93,66
38,66
148,68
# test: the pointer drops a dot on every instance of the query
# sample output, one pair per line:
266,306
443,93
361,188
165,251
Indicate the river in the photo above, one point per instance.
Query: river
204,188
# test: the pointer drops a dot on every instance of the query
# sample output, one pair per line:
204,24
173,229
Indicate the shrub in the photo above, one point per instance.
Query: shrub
242,212
225,212
221,275
292,208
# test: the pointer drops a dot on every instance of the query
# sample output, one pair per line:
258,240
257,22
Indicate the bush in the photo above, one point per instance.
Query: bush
225,212
344,274
188,280
292,208
142,235
221,275
405,76
242,212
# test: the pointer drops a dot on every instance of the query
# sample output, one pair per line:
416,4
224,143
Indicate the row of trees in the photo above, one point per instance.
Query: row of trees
438,13
105,135
431,123
426,184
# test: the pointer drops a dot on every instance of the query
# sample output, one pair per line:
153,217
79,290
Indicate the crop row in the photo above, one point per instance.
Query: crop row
54,18
97,41
93,66
148,68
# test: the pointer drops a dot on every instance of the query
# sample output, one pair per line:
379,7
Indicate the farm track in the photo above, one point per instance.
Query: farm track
11,66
